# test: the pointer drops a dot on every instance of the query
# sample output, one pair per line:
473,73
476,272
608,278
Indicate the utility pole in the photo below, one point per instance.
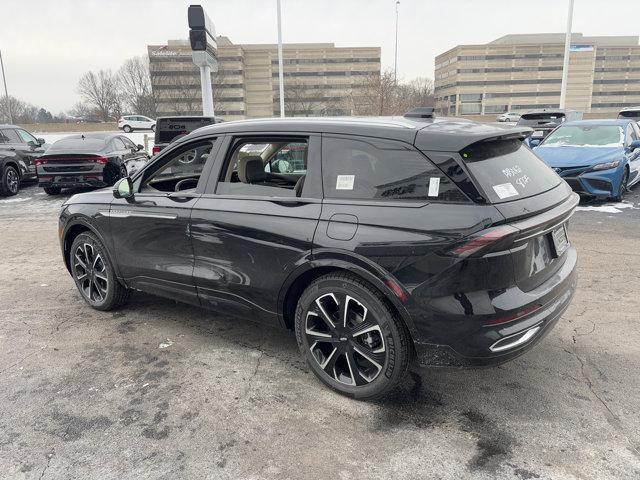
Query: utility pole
567,51
395,63
6,93
280,67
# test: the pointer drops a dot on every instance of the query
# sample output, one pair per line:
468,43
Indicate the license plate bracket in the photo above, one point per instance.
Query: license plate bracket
559,240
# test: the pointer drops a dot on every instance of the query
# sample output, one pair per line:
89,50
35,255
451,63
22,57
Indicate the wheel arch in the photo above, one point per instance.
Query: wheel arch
76,227
305,274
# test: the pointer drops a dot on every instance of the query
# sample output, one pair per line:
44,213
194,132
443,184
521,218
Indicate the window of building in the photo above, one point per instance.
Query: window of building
470,97
495,108
470,108
368,169
272,167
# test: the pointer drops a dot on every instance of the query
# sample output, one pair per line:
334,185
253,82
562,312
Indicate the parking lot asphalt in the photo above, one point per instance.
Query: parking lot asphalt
162,390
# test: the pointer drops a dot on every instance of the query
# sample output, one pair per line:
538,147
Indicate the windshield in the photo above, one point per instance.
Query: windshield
634,114
169,128
585,136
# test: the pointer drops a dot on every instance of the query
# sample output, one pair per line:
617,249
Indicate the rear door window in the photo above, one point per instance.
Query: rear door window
11,135
507,170
373,169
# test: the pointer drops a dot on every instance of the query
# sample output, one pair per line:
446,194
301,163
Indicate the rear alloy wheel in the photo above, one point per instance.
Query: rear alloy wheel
93,273
52,190
127,129
9,181
351,338
623,187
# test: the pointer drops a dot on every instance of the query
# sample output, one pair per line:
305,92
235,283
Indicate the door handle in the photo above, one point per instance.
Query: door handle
182,196
285,202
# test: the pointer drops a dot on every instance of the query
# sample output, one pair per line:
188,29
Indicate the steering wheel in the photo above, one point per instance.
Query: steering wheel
180,185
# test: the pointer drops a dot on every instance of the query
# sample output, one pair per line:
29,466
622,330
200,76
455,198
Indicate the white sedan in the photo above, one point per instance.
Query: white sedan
129,123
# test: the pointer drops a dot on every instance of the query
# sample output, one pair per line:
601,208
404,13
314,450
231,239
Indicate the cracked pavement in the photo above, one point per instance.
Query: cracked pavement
87,394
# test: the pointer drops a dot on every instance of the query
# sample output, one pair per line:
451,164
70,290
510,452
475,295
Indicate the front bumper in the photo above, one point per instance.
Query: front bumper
602,184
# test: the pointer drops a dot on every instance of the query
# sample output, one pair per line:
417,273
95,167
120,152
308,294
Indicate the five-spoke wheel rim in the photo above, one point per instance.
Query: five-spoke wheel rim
345,339
90,272
12,181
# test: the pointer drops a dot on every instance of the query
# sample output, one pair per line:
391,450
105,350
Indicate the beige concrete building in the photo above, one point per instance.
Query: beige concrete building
320,78
523,72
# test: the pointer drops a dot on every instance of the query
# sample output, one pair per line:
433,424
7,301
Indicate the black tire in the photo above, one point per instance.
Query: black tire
99,286
111,174
52,190
388,342
9,181
127,129
623,187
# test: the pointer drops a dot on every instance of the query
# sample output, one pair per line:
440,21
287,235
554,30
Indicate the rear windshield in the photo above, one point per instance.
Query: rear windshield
507,170
635,114
77,145
586,136
169,128
541,118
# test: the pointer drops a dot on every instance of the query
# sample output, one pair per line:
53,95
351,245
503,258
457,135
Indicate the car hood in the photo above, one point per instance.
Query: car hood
101,196
577,156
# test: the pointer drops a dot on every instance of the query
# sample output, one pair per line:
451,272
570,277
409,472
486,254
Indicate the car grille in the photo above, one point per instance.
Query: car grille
575,184
570,171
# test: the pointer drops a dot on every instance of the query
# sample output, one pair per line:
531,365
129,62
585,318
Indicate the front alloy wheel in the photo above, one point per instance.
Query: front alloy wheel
94,275
351,337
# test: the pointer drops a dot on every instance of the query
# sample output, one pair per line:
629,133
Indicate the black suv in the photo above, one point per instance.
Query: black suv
168,129
378,241
18,151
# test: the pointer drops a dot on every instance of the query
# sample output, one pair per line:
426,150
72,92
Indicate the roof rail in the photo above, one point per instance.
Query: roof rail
420,112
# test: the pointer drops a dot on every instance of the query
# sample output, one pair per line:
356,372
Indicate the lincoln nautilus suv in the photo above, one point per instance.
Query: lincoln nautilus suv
381,242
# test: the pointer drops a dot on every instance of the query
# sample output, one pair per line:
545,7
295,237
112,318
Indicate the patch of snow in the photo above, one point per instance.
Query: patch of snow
167,343
14,200
609,208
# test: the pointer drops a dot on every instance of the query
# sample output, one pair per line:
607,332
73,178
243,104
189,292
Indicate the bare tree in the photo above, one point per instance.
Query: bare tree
135,86
305,100
21,112
101,92
381,95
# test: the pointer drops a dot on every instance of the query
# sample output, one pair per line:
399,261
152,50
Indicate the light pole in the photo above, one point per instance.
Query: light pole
6,93
280,68
567,50
395,63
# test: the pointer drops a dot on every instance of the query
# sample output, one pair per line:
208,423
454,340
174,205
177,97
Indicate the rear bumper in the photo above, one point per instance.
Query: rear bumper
93,177
511,339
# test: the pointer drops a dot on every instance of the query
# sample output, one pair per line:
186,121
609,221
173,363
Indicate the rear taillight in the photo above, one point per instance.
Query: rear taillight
39,161
156,149
102,160
514,316
483,239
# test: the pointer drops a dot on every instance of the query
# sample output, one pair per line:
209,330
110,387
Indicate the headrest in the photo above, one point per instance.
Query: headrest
251,170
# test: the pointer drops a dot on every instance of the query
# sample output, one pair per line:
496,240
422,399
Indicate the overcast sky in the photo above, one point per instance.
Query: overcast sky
47,45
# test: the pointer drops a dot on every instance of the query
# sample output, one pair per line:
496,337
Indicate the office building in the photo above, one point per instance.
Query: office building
524,71
320,78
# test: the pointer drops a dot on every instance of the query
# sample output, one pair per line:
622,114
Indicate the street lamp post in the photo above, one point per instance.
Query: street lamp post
6,93
567,51
280,67
395,63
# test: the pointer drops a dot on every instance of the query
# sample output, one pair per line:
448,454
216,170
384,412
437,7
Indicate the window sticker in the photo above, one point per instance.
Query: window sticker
434,186
345,182
505,190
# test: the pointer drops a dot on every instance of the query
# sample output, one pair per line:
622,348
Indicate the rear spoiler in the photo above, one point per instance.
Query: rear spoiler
454,135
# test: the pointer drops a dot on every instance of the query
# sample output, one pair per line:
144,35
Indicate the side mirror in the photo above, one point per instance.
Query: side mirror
534,142
41,141
123,188
634,145
140,147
